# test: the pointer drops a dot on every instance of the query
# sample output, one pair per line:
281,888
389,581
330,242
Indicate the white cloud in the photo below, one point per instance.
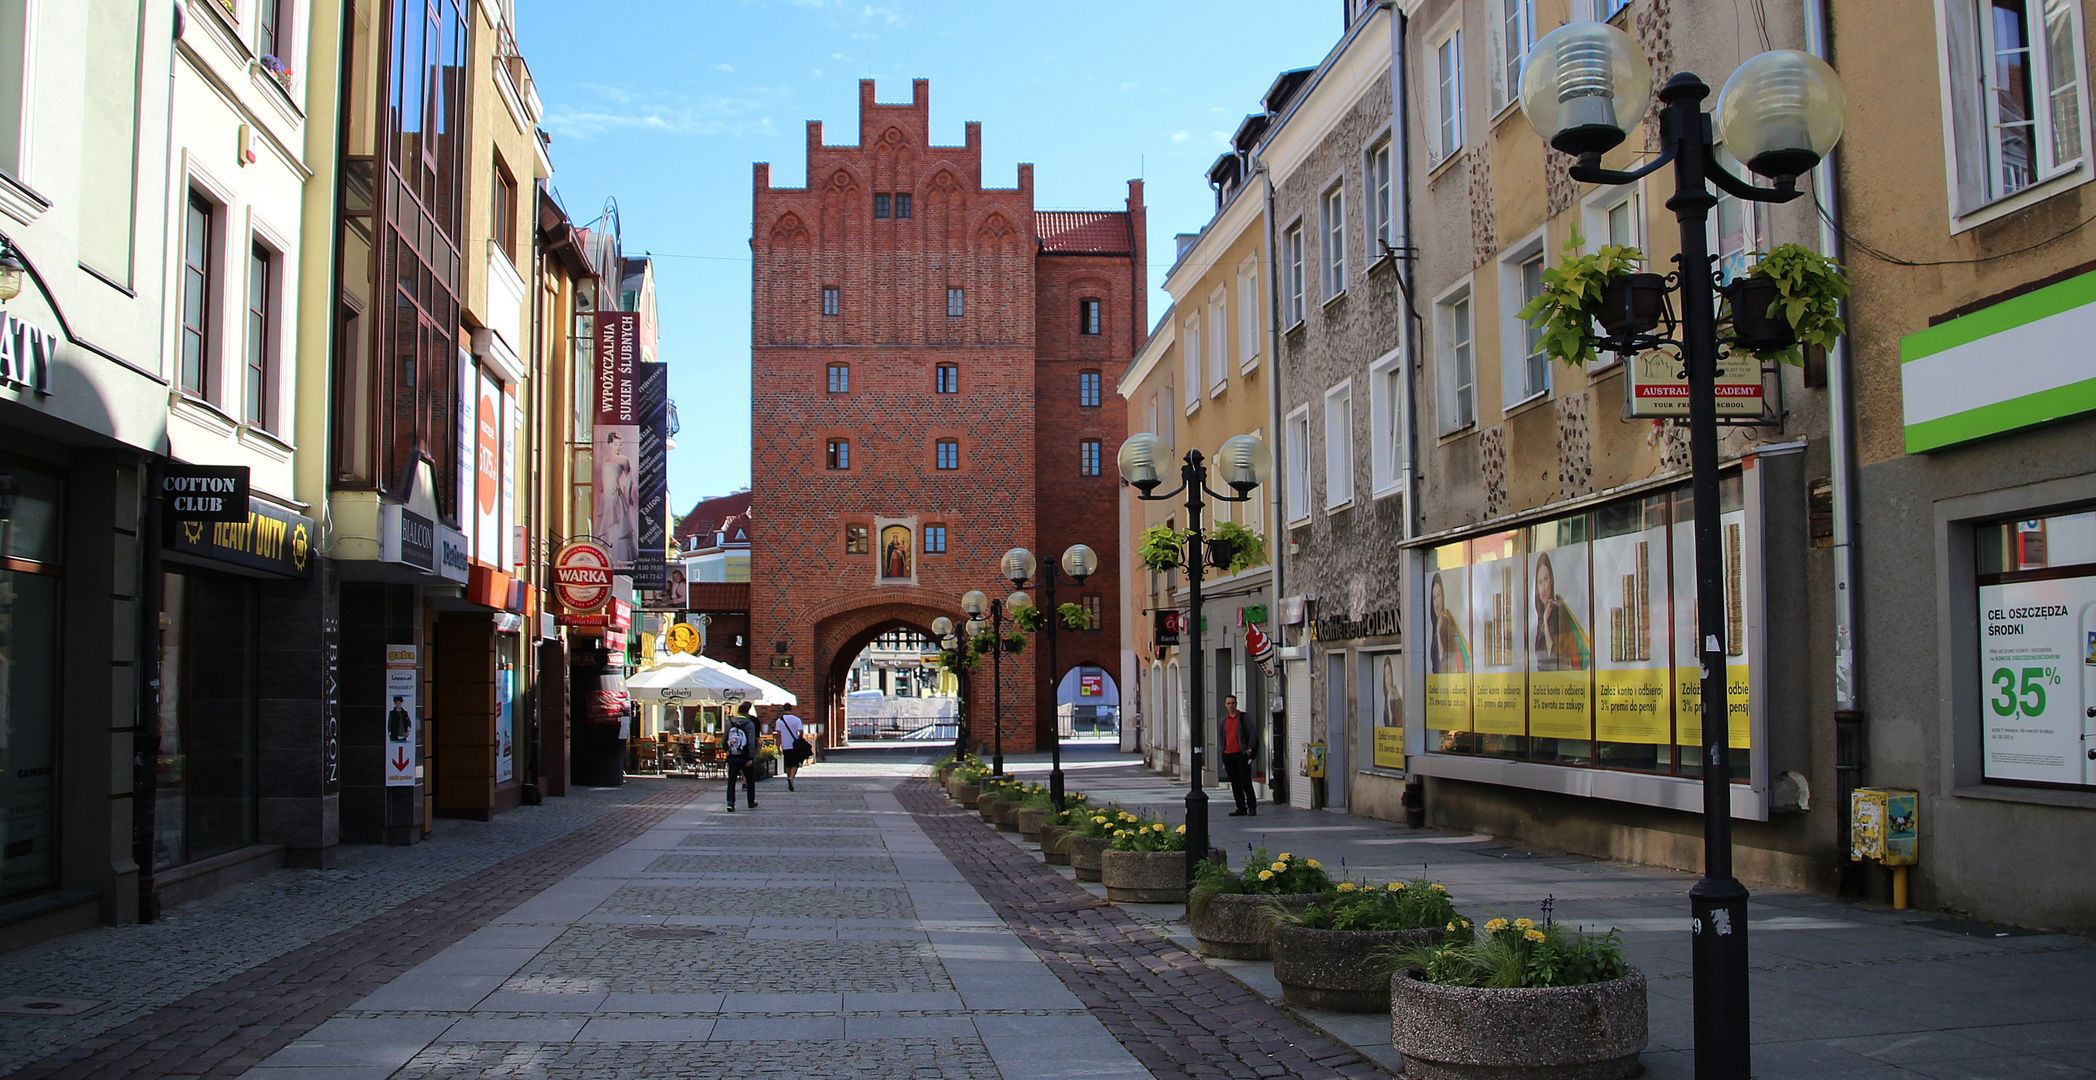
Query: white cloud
1181,136
609,109
729,68
883,14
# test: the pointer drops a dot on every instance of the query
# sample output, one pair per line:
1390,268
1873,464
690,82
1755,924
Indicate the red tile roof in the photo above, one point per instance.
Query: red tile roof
706,517
1089,232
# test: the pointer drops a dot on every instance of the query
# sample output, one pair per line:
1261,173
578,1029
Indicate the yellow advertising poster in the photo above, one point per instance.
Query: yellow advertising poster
1688,698
1631,706
1498,701
1448,702
1389,748
1559,704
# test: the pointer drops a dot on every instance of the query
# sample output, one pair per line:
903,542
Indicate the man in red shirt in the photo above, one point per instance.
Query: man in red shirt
1240,736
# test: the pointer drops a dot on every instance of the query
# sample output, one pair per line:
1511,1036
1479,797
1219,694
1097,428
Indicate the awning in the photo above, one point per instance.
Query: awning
686,679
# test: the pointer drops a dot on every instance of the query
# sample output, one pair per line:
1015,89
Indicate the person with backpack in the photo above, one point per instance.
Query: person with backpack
740,742
794,747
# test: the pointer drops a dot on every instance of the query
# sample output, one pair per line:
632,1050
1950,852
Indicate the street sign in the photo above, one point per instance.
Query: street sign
403,720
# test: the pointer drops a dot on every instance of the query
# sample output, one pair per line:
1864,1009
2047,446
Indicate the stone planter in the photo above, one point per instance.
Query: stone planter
1234,925
1004,813
1338,970
965,794
1144,877
985,801
1052,840
1085,853
1031,819
1592,1032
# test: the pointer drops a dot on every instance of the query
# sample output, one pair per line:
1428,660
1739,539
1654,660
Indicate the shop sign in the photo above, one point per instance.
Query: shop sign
1382,623
1166,627
2037,680
617,616
1658,385
505,722
209,493
453,558
2022,362
403,720
653,477
25,354
408,538
582,576
616,460
1091,686
508,622
267,537
683,638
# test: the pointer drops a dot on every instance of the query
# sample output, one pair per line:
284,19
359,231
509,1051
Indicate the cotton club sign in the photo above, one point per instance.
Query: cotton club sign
582,576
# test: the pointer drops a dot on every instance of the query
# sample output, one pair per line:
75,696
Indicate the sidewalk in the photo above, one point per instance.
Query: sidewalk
1839,989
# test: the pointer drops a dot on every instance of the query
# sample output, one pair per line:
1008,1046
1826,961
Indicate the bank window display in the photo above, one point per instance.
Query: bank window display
29,603
1571,641
1379,686
2037,650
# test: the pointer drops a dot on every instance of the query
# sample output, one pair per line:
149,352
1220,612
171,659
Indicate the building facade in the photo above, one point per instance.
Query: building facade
1973,472
928,354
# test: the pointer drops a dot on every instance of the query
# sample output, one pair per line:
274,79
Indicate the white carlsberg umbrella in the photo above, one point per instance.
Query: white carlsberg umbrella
685,679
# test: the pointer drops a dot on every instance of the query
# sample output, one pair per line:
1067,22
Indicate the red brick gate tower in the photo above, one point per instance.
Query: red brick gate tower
922,359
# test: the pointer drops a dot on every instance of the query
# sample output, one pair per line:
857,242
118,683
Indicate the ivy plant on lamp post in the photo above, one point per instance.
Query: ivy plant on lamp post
1019,566
1586,84
1244,463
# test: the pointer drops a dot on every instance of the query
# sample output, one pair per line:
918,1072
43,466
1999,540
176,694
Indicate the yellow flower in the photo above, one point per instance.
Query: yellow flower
1286,856
1532,934
1266,875
1438,888
1465,922
1098,821
1279,867
1159,827
1346,886
1396,886
1181,830
1525,924
1495,926
1314,864
1451,928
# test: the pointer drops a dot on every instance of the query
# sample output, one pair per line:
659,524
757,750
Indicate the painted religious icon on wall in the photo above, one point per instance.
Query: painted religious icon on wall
895,553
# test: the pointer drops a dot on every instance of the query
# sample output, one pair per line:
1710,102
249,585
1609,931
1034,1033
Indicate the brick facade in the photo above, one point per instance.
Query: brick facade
1016,416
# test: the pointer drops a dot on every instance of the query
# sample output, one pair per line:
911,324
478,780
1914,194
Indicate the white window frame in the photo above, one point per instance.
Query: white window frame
1331,240
1339,446
1292,266
1965,67
1248,314
24,163
1387,389
1458,305
282,329
1190,354
1596,212
1515,19
1218,341
1755,231
1598,10
1514,387
1444,98
1380,218
1297,452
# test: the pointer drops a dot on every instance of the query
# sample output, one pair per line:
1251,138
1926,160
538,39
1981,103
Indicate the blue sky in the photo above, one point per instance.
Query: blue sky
664,104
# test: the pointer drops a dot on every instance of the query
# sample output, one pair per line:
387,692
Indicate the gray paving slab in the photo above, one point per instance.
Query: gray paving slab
647,1029
537,1029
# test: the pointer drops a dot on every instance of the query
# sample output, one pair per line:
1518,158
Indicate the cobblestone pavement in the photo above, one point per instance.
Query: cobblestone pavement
223,982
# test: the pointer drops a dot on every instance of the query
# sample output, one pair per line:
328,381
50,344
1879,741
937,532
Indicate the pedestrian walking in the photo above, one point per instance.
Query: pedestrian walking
794,747
1240,743
741,741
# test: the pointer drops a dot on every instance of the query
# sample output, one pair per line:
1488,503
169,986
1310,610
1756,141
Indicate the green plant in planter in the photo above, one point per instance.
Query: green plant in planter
1077,811
1028,617
1572,292
1161,547
1809,288
1147,835
1102,821
1247,548
1513,954
1261,875
1399,905
1074,616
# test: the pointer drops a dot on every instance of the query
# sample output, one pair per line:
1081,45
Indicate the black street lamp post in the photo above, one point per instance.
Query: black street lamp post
985,612
1019,565
1244,461
942,631
1584,86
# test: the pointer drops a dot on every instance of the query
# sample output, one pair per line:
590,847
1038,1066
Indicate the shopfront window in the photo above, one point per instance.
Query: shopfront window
1379,680
205,804
2037,649
29,603
1572,641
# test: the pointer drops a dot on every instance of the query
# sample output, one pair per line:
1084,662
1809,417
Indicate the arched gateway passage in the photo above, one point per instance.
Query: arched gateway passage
840,638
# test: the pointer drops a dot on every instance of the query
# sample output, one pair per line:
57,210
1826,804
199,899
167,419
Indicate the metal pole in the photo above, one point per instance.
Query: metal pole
997,682
1196,799
1055,714
1718,902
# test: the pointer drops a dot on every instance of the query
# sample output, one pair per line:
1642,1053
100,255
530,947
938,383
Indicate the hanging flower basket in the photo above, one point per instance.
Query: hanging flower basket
1632,304
1754,328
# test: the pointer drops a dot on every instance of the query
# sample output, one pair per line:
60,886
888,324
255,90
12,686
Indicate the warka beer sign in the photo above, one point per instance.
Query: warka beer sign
582,576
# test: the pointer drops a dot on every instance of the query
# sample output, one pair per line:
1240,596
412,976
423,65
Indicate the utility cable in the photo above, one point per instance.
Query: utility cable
1885,256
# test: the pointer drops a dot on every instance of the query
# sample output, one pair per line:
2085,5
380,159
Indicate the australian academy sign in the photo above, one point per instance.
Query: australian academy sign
582,576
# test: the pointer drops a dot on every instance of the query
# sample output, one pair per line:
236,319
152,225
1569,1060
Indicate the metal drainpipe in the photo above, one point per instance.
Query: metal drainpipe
1851,725
1276,754
1414,798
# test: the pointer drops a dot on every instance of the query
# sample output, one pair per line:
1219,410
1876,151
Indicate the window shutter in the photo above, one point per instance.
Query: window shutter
2063,89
